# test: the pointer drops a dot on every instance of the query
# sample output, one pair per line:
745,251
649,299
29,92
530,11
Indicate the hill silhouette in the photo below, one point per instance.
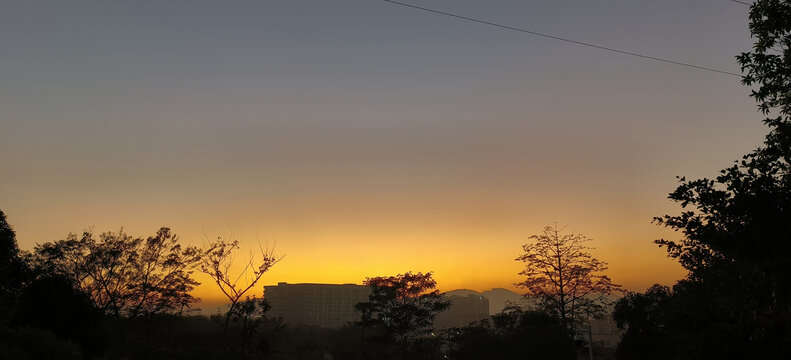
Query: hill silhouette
499,298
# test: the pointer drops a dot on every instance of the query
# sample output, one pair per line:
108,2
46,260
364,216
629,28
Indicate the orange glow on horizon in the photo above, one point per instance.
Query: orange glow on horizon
455,264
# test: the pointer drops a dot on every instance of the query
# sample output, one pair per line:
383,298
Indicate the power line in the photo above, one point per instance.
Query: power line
742,2
622,52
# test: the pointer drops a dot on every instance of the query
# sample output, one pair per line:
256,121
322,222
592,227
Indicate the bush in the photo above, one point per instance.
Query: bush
35,344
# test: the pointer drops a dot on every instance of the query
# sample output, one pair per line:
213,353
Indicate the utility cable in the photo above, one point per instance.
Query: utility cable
622,52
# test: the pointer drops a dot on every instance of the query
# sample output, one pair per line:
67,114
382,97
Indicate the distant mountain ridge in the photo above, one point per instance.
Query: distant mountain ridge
499,298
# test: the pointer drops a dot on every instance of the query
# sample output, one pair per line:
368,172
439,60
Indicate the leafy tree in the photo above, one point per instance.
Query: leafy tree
345,343
512,334
737,227
533,332
13,269
405,304
643,319
564,277
741,217
249,315
768,68
696,319
39,344
123,275
51,302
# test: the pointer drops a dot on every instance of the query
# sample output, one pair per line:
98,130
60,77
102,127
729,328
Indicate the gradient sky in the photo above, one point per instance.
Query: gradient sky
367,138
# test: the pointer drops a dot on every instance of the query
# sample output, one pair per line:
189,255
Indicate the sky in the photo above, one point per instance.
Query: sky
362,138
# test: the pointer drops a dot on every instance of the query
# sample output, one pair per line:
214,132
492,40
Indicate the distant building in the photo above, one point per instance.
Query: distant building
323,305
463,310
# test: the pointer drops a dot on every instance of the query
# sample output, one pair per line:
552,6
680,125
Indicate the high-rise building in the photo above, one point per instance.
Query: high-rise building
324,305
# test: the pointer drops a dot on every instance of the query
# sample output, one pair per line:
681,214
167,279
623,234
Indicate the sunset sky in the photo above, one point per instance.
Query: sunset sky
363,138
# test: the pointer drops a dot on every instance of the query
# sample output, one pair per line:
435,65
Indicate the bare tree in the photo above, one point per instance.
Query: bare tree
564,277
218,262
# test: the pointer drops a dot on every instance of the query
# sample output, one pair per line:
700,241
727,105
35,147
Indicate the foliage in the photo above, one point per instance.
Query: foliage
741,217
512,334
164,336
50,302
564,277
768,67
250,313
125,276
695,320
737,227
249,316
306,342
638,316
35,344
346,342
14,271
405,304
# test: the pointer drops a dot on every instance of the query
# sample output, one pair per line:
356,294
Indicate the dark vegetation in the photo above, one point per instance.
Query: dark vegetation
406,305
123,275
735,302
116,296
515,333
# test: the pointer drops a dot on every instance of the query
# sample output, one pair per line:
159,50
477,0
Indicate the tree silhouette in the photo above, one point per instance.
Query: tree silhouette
51,302
515,333
768,68
736,227
249,315
405,304
123,275
34,343
14,271
643,318
164,271
564,277
218,264
743,214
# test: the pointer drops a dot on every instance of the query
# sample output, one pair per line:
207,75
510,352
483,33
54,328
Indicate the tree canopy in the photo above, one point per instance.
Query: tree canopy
515,333
736,227
405,304
743,216
125,275
13,269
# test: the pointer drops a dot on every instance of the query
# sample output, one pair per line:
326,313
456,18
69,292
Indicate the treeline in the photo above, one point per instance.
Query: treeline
115,296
